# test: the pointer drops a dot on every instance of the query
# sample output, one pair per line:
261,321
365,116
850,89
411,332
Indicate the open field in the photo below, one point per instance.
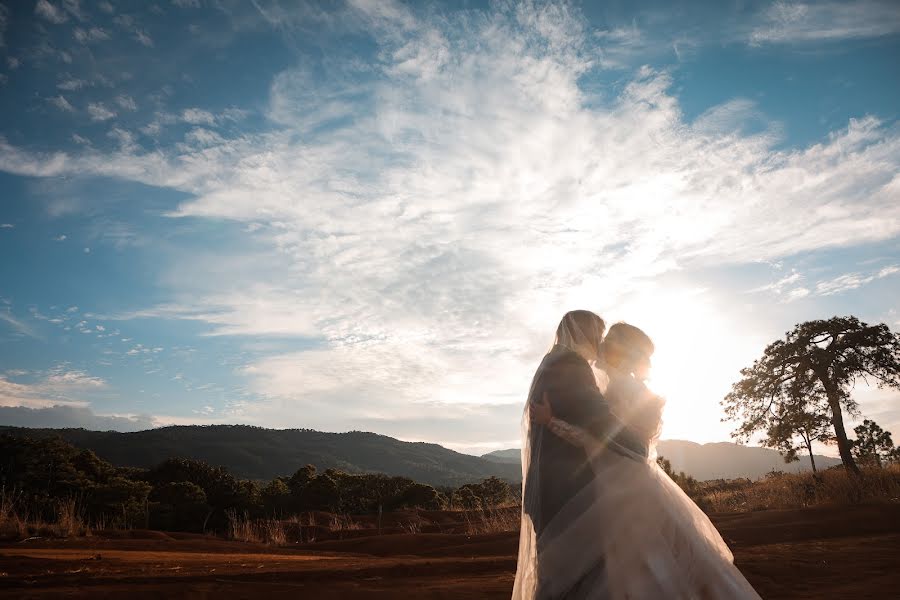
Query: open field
812,553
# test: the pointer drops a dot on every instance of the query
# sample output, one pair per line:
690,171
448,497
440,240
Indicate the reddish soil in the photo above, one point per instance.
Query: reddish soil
848,552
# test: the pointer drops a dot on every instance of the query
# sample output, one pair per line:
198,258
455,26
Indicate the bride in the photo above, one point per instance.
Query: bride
652,541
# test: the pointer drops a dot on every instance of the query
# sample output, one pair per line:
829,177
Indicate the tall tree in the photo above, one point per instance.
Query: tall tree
816,359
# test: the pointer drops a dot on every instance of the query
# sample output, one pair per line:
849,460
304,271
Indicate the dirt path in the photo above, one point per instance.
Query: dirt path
822,553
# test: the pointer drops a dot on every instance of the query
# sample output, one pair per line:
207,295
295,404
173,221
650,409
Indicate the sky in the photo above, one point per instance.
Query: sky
371,215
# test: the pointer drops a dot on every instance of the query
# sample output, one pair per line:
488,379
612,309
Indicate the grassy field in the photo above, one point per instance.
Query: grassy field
821,552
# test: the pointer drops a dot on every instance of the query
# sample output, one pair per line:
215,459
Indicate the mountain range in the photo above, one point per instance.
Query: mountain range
712,461
263,454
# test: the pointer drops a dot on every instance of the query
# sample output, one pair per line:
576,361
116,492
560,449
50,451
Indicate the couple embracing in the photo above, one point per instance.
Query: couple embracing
600,519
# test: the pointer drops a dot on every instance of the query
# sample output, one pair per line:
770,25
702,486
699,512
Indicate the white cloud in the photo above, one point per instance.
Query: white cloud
800,22
196,116
851,281
61,385
6,226
125,138
18,326
797,293
421,229
60,238
50,12
61,378
91,35
126,102
61,103
778,286
143,37
99,112
71,84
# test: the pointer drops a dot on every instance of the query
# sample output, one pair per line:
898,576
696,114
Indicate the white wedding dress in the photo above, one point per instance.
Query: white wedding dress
636,530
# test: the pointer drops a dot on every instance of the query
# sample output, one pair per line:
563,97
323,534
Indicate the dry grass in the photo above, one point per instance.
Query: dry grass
493,520
340,523
788,490
260,531
18,523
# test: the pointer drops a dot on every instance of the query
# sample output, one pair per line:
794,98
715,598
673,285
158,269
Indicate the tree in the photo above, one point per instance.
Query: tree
420,495
814,368
178,506
465,497
276,498
321,493
686,482
798,421
873,445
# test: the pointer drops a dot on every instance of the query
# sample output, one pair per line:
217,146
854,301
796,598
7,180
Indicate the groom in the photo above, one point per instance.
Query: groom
558,470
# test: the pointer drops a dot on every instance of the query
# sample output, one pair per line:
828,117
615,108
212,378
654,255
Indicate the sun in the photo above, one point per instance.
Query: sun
700,349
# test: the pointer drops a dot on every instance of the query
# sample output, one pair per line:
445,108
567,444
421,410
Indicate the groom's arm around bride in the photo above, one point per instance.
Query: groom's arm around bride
567,381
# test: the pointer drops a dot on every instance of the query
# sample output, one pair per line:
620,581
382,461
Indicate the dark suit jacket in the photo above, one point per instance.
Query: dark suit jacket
558,470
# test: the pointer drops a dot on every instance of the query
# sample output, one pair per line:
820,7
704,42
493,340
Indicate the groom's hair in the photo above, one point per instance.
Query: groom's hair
579,328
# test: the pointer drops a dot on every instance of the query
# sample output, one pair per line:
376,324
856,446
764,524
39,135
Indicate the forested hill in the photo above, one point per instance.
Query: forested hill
710,461
256,453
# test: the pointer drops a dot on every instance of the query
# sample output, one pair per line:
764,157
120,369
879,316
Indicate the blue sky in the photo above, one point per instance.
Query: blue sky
369,215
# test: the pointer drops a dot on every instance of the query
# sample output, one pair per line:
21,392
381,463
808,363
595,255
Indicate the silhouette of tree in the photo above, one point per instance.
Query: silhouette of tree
873,445
178,506
276,498
798,421
817,360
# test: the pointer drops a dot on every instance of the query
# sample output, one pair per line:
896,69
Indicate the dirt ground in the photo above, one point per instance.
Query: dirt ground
847,552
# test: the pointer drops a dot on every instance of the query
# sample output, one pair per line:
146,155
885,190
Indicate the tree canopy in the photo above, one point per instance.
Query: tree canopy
805,379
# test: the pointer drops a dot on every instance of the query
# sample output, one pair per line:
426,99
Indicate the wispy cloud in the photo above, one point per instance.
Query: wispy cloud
61,385
71,84
91,35
126,102
143,38
99,112
779,286
50,12
61,103
786,22
416,227
851,281
18,326
61,378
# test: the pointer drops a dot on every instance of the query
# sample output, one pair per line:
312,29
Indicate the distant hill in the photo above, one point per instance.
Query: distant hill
513,455
710,461
257,453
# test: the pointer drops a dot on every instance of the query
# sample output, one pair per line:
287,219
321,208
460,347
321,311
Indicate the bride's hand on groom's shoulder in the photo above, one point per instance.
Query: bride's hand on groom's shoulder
540,411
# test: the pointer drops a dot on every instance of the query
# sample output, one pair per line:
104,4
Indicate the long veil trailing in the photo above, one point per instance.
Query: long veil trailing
571,336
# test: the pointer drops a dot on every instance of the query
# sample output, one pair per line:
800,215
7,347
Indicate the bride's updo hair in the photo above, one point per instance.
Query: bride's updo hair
582,332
